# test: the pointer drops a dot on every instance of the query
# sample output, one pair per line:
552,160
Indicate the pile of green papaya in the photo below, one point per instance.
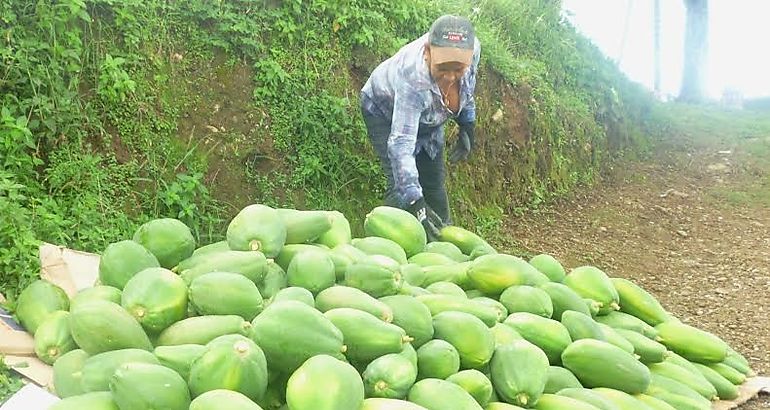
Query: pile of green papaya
291,312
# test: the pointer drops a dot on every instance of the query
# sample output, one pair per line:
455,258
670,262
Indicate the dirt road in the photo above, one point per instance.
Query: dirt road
691,224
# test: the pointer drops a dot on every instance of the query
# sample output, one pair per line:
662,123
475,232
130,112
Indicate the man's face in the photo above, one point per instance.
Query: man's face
448,72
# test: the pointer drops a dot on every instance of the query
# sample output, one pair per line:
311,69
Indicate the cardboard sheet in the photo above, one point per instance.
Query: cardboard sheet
71,270
32,369
748,390
30,397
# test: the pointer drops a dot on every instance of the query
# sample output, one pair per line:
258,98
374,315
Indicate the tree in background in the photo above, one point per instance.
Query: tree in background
695,52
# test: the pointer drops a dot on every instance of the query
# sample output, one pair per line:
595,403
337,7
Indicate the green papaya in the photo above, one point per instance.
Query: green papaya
588,396
274,280
325,383
555,402
211,248
257,227
613,337
341,262
410,354
231,362
99,368
413,274
99,326
414,291
691,343
734,376
559,379
389,376
504,334
522,298
456,273
547,334
677,401
648,350
661,387
100,292
475,383
156,298
563,298
338,234
481,251
593,307
600,364
290,332
737,361
519,373
581,326
465,240
592,283
67,372
252,265
141,386
549,266
492,274
202,329
169,239
224,293
376,403
373,278
101,400
442,303
288,252
411,315
366,336
179,358
313,271
501,406
38,300
680,361
638,302
375,245
304,226
726,390
350,251
620,320
502,312
397,225
53,337
296,294
425,259
468,334
121,260
653,402
446,288
447,249
437,359
221,398
345,296
622,400
435,394
737,365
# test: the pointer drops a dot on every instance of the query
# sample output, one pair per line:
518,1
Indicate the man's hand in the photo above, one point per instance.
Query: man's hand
430,221
465,143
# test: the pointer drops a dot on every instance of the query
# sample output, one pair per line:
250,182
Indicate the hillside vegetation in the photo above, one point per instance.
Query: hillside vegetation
116,112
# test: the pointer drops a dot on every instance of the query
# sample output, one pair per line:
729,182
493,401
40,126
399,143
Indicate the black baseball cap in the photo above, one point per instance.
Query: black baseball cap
452,39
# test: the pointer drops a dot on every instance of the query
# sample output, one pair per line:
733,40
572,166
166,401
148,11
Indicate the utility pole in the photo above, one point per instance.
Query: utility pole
656,22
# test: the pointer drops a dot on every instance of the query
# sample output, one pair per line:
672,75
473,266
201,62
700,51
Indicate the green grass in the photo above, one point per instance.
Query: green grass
10,382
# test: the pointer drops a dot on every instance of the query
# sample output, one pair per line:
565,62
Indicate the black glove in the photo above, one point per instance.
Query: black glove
430,221
465,143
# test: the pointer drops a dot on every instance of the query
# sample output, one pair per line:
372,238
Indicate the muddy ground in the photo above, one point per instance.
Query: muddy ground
691,224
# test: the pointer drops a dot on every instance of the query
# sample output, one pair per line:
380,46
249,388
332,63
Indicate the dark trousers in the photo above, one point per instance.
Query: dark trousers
430,170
